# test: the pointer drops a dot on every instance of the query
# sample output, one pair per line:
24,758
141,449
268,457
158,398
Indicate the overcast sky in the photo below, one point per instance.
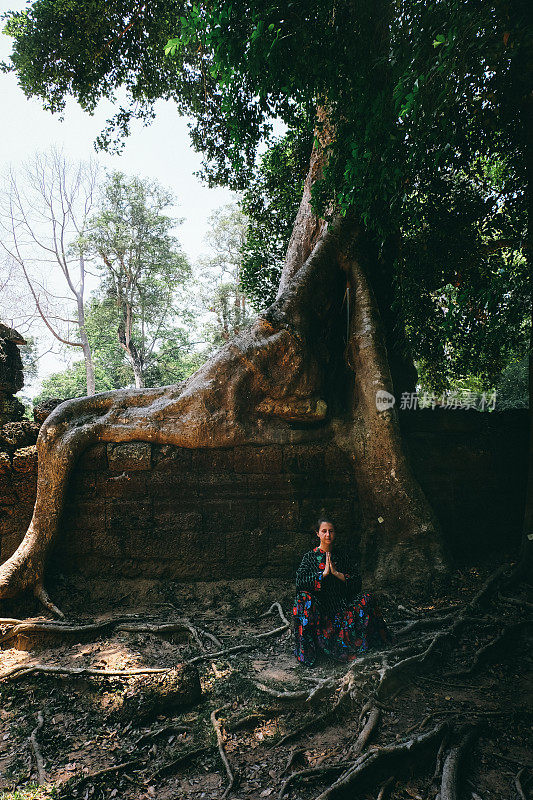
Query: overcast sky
161,151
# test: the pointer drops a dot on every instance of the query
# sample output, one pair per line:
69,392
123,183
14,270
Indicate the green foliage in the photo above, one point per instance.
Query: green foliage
270,202
143,271
219,278
462,280
416,95
71,382
513,386
409,86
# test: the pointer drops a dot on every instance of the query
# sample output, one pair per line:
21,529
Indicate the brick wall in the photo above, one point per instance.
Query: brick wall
161,511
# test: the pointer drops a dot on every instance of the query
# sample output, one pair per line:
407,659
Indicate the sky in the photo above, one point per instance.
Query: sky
161,151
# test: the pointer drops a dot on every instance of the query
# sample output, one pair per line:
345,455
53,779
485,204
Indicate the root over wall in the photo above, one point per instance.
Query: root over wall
163,511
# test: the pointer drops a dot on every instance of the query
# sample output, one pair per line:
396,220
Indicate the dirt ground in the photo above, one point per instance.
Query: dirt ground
72,722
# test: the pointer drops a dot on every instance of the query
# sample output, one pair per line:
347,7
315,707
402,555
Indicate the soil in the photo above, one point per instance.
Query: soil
81,734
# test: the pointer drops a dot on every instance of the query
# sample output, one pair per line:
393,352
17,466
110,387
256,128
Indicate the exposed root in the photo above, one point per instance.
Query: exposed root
295,755
311,773
26,631
239,648
384,759
184,758
249,720
42,595
513,601
217,725
299,695
37,750
493,647
450,770
79,672
386,787
371,724
277,606
76,783
151,735
518,784
423,624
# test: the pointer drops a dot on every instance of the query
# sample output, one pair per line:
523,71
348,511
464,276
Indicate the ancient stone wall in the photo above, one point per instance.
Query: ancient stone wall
154,511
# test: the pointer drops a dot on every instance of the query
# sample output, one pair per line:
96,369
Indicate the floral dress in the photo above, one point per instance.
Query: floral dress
329,614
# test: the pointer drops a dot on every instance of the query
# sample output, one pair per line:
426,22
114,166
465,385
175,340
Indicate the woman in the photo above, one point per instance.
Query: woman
329,613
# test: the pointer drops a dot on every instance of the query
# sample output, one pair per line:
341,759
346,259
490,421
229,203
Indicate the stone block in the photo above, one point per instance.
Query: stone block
5,464
9,543
218,459
129,456
125,515
82,485
278,515
25,486
125,486
266,460
169,486
170,457
94,458
246,552
270,485
15,435
169,520
7,493
217,515
25,459
221,485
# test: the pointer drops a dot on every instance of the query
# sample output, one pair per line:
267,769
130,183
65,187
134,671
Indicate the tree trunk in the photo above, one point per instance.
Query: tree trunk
401,541
288,367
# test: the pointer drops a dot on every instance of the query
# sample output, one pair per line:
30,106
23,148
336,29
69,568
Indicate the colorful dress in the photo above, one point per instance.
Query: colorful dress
329,614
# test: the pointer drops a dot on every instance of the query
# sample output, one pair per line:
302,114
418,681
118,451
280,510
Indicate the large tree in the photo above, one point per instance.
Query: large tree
373,79
141,265
43,225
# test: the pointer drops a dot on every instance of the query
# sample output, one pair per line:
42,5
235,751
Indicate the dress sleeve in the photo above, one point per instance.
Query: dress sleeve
309,575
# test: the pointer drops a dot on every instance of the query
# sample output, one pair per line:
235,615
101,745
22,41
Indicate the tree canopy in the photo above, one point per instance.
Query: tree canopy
409,86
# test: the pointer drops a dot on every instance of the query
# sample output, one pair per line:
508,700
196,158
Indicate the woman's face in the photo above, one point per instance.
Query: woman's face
326,534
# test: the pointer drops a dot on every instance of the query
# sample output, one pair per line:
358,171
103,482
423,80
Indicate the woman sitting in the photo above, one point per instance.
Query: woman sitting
330,615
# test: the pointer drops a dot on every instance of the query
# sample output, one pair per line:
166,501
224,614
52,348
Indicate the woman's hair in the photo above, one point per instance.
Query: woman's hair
324,518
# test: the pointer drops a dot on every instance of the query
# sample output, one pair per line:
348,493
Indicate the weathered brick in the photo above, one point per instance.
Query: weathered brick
282,515
125,515
94,458
207,459
129,456
25,459
221,485
270,486
170,457
217,515
7,493
126,486
25,486
169,486
262,460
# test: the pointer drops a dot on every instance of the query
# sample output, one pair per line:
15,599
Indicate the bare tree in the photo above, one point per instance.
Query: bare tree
43,219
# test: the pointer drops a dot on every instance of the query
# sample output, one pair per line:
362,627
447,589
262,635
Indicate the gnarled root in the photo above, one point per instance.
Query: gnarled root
250,391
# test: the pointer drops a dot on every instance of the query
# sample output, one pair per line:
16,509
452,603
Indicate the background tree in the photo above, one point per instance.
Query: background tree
43,224
219,277
141,266
394,92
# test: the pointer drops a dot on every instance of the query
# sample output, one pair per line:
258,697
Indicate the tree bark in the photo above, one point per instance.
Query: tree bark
401,542
288,367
